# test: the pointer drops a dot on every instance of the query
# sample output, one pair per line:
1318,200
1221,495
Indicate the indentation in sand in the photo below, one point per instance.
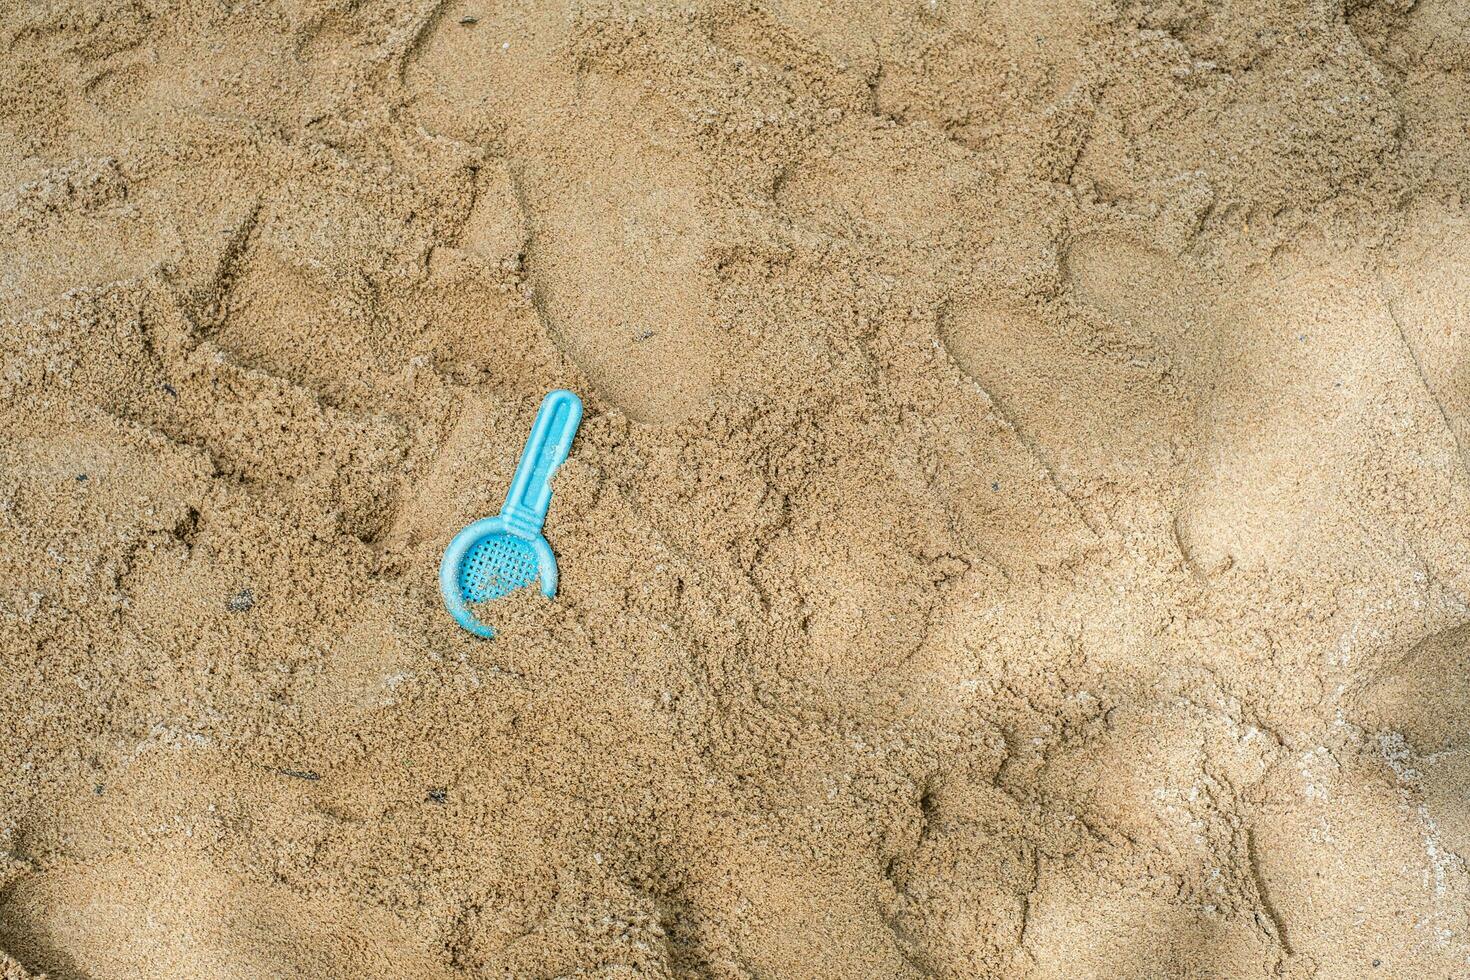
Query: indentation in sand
1121,422
1424,694
203,920
1274,458
872,177
618,252
1153,298
619,257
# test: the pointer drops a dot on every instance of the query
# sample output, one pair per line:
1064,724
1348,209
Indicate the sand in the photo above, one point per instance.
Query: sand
1021,525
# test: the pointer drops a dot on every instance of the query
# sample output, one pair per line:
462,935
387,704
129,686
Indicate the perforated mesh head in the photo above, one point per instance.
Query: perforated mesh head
497,565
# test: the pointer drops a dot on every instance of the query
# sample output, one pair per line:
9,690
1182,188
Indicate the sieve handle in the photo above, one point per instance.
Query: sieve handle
551,440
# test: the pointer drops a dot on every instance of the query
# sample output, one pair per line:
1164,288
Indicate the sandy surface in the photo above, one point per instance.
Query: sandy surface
1021,526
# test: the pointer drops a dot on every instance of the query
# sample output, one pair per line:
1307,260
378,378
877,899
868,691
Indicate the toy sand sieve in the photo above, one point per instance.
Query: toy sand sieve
494,556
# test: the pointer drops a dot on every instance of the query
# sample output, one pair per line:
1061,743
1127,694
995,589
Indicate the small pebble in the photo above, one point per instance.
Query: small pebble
81,477
438,795
468,20
97,789
995,487
241,601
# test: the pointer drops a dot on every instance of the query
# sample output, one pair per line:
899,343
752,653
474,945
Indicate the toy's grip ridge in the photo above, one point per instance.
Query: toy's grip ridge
546,449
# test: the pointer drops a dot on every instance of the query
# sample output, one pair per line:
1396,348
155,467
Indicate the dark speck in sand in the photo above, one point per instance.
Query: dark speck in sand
242,601
81,477
171,390
995,487
306,774
97,789
438,795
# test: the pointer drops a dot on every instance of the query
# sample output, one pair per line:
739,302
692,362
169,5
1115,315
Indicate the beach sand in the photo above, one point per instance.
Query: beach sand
1020,527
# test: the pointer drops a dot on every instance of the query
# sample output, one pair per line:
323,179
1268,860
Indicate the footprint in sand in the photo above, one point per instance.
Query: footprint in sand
1247,494
1089,411
165,912
1345,834
976,71
1083,925
619,262
614,197
1418,707
61,214
1154,374
1287,371
1251,486
905,182
1423,696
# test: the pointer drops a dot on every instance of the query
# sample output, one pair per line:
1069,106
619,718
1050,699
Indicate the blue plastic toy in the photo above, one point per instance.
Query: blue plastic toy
497,555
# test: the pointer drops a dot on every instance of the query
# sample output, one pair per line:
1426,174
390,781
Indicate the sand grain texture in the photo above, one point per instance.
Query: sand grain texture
1021,526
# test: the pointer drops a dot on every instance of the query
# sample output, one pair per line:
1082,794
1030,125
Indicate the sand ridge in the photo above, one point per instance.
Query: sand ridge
1018,528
